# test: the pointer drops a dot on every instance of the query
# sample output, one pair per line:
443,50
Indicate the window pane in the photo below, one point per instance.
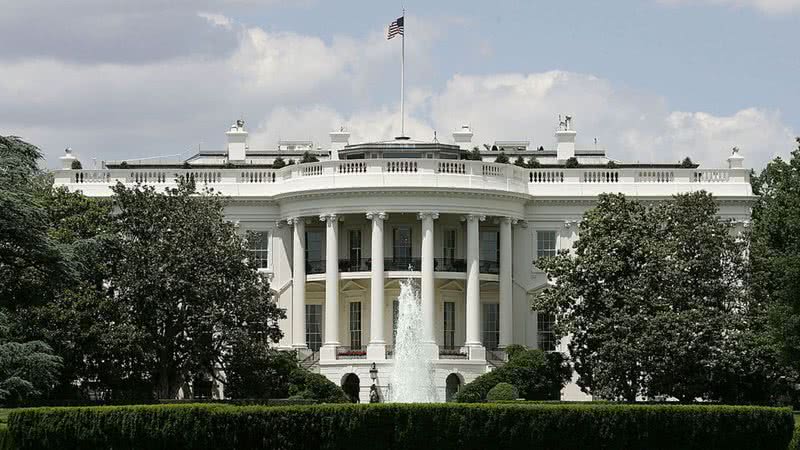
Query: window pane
355,325
545,243
544,326
355,246
258,243
449,246
314,246
489,245
402,243
449,324
314,327
491,325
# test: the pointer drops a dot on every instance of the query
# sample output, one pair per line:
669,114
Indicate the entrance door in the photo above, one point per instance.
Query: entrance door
453,385
351,386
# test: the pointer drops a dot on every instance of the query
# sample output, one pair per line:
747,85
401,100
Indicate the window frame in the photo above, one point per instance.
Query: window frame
355,325
490,335
263,262
449,337
538,250
311,344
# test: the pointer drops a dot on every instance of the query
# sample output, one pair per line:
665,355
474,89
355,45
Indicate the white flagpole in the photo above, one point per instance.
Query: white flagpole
402,78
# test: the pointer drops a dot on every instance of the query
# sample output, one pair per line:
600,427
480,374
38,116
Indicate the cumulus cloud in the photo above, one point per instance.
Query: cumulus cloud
771,7
290,85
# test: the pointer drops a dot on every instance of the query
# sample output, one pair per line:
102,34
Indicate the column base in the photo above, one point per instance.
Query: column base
376,351
476,352
327,352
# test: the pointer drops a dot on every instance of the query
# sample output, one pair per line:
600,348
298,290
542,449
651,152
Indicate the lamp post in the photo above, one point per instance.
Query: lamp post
374,395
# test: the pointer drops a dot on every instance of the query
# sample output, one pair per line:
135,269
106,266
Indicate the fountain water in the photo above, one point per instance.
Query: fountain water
412,375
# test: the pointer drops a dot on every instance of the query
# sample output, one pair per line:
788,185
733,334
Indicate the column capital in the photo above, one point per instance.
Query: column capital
570,223
279,223
328,217
373,215
471,217
432,214
292,221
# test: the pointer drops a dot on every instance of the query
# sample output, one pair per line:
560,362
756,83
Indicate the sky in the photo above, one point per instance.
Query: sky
651,80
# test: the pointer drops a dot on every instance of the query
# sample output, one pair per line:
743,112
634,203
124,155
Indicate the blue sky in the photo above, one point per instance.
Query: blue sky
653,80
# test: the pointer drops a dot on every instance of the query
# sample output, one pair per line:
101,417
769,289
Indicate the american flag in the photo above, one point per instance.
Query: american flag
395,28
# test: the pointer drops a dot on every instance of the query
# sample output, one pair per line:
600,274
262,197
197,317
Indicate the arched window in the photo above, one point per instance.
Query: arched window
453,383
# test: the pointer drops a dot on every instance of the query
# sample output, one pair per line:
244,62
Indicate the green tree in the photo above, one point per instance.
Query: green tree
534,163
648,296
687,163
775,252
308,158
184,278
278,163
572,163
502,158
32,265
474,154
520,161
27,370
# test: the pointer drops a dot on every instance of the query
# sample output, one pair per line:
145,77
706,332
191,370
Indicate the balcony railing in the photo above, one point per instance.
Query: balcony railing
449,265
492,267
401,264
452,352
359,352
355,265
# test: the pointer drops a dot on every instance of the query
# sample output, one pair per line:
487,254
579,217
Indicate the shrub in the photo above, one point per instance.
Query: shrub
76,165
278,163
572,163
502,391
520,161
397,426
308,158
793,445
687,163
474,155
313,386
534,163
501,158
611,165
536,374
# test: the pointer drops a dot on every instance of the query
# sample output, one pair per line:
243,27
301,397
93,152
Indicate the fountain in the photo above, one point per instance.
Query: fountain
412,374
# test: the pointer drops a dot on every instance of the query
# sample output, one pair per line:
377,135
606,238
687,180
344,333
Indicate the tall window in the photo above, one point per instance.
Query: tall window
313,245
544,326
449,324
491,325
449,246
314,327
258,242
355,325
490,250
355,249
395,317
545,243
402,243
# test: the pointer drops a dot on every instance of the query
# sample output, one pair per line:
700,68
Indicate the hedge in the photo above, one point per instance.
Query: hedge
502,391
795,442
402,426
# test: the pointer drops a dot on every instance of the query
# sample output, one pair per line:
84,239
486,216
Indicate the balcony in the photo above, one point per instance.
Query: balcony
358,352
314,267
452,352
491,267
449,265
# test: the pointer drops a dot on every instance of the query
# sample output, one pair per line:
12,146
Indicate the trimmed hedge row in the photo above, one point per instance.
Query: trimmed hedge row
402,426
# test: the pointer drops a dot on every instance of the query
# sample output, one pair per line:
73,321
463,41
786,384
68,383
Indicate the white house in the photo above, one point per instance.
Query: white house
335,237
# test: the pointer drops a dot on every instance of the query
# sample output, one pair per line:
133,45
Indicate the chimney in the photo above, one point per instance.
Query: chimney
565,139
463,137
735,161
338,140
67,159
237,141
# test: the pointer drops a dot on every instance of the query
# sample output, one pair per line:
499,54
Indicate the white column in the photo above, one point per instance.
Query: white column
428,292
473,341
505,293
298,283
377,345
331,285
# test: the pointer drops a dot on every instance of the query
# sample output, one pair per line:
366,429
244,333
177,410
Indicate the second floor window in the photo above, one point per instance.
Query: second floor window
401,243
258,243
313,246
490,250
545,243
355,247
449,246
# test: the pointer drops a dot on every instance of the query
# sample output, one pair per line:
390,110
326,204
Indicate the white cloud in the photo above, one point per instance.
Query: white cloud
771,7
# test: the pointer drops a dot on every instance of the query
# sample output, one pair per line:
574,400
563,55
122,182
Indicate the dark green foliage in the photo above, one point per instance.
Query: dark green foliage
313,386
793,445
534,163
123,165
278,163
536,375
687,163
76,165
6,443
502,158
308,158
520,161
474,154
397,426
502,391
290,162
572,163
661,304
611,165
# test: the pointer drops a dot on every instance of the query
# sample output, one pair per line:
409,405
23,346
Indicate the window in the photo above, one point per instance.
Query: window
546,336
314,327
355,325
545,243
449,246
313,246
401,244
258,242
490,250
355,249
491,325
449,324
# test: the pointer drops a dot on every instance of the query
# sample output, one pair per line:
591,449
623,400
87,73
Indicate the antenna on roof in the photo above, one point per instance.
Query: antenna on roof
434,136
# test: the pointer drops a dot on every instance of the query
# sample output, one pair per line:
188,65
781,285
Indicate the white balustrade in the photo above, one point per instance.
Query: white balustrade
546,176
310,170
257,176
402,166
457,167
492,170
711,176
601,176
352,167
656,176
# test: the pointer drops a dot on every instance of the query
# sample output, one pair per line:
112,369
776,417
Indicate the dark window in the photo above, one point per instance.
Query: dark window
544,326
402,243
491,325
449,324
314,327
355,247
258,243
355,325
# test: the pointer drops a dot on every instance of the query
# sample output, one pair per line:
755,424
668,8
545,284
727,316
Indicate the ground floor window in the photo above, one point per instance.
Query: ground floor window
314,327
449,324
491,325
546,336
355,325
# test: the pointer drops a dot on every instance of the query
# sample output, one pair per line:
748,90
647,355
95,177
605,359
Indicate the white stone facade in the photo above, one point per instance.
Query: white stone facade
342,233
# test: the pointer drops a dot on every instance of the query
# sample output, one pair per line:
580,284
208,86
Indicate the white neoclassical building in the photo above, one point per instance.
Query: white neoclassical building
337,236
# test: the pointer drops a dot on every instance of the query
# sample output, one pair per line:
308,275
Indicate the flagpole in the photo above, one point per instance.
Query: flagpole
403,78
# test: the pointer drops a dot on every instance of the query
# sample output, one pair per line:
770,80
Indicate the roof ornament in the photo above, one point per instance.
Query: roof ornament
566,124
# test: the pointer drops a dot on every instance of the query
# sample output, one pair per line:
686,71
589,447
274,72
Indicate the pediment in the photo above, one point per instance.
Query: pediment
353,286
